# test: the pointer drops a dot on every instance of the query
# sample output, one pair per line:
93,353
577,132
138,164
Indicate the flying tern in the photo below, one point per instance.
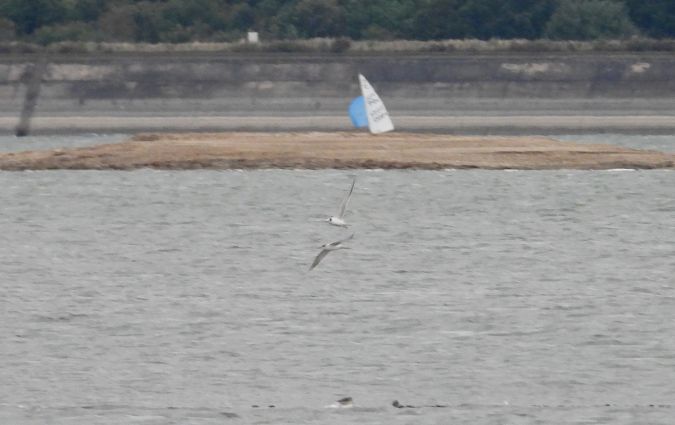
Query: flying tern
339,220
326,248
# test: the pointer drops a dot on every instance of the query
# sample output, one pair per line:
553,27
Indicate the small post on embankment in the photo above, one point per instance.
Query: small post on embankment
32,77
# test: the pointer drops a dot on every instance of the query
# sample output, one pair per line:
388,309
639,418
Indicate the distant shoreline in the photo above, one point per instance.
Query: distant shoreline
341,46
519,92
336,150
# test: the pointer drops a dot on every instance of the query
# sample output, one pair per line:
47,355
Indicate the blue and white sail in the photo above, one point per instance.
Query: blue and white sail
370,106
357,112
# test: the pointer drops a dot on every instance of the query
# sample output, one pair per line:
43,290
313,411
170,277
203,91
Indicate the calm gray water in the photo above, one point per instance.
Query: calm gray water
164,297
10,143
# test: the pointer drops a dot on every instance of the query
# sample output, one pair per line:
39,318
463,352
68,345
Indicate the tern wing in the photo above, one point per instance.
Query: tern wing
319,257
343,206
336,243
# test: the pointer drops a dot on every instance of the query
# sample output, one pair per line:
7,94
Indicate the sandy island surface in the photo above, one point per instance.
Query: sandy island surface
315,150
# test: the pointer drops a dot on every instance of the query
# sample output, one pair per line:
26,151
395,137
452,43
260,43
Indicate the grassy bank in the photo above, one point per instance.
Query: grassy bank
319,150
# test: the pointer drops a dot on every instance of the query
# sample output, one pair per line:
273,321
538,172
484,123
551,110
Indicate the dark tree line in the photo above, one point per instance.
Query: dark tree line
175,21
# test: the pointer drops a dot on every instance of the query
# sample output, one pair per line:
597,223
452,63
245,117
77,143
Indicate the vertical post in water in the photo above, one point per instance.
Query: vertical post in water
33,79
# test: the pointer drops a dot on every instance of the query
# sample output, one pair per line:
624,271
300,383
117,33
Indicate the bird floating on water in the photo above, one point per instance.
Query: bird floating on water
326,248
343,402
339,220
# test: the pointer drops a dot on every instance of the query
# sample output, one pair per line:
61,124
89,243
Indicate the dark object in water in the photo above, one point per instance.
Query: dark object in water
398,405
346,401
229,415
